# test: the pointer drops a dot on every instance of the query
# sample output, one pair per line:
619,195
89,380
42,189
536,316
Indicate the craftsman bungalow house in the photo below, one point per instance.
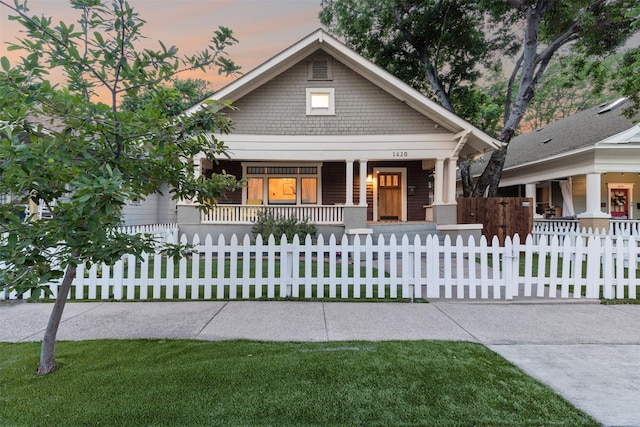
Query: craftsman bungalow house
324,134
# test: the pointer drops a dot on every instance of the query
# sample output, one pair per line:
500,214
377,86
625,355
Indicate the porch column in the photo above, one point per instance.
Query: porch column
530,191
349,180
363,183
444,193
450,181
593,217
438,182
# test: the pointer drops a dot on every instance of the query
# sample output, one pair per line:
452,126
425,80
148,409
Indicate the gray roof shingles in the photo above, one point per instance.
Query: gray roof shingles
583,129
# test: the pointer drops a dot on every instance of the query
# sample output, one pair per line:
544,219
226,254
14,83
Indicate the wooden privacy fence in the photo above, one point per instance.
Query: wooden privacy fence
499,216
364,269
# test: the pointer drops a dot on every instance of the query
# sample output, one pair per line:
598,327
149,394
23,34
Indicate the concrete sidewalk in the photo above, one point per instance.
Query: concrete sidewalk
587,352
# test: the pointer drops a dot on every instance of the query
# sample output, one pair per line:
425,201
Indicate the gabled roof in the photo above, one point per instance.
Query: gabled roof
588,128
477,141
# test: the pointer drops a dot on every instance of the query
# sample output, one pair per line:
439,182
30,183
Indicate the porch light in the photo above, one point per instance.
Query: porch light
369,178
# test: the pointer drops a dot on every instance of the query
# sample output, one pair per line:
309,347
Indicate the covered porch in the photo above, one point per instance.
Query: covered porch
339,183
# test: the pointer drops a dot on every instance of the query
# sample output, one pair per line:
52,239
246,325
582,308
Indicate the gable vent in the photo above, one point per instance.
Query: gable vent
320,69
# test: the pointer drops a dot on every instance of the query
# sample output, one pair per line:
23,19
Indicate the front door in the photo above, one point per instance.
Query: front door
389,196
619,203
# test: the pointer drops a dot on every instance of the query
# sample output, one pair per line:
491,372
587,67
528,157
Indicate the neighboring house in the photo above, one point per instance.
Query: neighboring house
324,134
585,166
155,209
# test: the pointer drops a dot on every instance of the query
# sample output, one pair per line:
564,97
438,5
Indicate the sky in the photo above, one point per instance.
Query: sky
262,27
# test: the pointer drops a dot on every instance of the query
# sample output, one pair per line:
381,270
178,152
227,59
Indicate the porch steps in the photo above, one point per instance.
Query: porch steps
387,229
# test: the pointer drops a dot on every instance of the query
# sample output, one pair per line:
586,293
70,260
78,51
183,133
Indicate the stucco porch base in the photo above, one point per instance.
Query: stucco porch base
445,213
463,230
589,222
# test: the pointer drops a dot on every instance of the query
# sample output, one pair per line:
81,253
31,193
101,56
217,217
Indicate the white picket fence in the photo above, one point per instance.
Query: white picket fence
363,269
161,231
571,229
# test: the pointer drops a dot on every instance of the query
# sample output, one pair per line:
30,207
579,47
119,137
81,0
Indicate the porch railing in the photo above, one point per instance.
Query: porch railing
248,214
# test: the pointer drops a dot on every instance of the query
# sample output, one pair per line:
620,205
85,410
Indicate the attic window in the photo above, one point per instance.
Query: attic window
321,102
320,69
615,104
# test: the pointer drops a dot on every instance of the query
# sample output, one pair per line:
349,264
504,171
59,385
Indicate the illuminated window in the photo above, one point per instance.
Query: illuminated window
278,184
309,191
282,191
255,190
321,101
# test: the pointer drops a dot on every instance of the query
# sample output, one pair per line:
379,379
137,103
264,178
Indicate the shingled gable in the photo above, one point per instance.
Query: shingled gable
472,141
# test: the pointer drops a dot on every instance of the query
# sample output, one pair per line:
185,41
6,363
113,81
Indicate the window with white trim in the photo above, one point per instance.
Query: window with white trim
282,185
321,102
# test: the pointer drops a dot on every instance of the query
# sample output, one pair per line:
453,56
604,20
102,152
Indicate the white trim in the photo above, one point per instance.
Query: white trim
338,147
403,189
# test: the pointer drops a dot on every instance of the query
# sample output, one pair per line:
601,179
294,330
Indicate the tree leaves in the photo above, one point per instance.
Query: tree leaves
83,156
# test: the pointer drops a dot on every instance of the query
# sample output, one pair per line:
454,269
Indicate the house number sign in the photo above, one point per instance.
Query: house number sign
400,154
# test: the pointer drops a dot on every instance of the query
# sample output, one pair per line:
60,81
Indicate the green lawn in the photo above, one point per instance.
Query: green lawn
194,383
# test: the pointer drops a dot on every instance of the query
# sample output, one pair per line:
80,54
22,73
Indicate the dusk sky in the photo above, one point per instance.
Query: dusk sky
262,27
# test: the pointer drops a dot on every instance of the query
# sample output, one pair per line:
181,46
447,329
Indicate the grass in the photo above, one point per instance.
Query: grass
194,383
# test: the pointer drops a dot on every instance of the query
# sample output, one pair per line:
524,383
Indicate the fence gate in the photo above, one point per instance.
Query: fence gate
499,216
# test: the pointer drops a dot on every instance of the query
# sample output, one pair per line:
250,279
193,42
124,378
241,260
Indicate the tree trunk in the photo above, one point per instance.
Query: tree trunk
48,350
465,176
487,184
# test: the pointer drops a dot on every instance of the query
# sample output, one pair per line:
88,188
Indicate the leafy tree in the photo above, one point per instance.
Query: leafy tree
172,98
444,44
61,145
626,79
567,87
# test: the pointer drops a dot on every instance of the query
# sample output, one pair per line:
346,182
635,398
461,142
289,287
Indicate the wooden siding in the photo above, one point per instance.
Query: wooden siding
333,183
361,108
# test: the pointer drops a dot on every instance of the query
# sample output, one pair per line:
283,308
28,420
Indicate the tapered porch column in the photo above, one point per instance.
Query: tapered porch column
363,182
530,191
450,181
349,180
593,217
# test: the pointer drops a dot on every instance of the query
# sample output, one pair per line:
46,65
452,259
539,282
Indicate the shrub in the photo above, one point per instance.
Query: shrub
268,223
